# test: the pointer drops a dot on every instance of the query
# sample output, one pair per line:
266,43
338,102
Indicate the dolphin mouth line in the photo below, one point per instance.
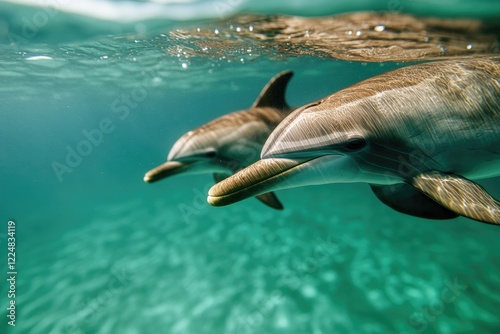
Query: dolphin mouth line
254,180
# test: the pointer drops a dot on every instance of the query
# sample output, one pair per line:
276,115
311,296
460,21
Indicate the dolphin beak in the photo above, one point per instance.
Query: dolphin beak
272,174
167,169
256,179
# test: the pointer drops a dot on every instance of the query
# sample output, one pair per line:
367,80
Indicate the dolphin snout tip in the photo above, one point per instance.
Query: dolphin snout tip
216,195
147,178
214,191
213,200
261,177
152,176
224,200
167,169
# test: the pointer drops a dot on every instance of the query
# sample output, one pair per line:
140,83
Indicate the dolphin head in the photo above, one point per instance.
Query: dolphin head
231,141
194,153
311,132
311,146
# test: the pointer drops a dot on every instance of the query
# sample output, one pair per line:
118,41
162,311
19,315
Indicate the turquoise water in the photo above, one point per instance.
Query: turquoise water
100,251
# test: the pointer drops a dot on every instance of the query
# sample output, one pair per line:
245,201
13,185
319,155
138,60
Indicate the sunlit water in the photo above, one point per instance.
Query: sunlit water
100,251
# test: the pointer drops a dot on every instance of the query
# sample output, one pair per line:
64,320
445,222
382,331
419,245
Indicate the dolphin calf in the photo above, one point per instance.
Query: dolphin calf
231,142
418,135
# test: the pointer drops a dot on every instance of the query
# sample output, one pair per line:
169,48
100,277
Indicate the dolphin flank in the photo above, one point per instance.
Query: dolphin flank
418,135
231,142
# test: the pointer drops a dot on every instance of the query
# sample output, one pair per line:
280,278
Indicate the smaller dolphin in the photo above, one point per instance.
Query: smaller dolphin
418,135
231,142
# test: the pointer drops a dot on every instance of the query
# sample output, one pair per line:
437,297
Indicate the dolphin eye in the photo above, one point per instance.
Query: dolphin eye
355,144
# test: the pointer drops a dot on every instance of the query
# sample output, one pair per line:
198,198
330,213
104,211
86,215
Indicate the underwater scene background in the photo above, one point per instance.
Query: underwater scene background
100,251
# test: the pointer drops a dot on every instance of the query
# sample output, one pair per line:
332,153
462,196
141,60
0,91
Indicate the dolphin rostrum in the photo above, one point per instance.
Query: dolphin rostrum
231,142
418,135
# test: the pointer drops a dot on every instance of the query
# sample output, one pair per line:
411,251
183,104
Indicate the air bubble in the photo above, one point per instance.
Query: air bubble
41,58
379,28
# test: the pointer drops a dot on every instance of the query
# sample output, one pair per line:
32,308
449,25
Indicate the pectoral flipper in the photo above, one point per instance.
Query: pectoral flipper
459,195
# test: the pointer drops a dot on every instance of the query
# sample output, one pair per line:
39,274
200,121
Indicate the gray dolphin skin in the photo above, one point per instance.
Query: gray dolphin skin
231,142
418,135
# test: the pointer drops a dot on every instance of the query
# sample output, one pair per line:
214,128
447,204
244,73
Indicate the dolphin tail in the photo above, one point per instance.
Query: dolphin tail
459,195
273,94
406,199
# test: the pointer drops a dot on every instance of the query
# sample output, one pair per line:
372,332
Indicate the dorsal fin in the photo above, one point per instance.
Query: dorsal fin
273,94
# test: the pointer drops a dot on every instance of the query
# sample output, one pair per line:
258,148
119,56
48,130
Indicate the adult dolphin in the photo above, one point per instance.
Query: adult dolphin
231,142
419,135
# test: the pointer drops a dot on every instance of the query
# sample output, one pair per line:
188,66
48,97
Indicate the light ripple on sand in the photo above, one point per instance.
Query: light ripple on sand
237,270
